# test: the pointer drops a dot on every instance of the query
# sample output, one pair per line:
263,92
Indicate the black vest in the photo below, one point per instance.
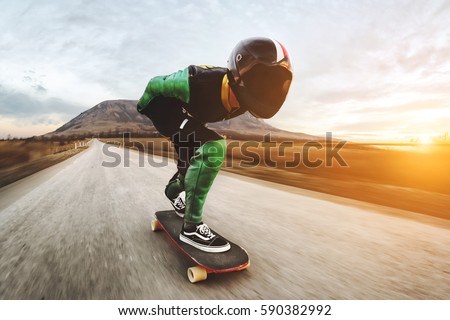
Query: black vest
205,86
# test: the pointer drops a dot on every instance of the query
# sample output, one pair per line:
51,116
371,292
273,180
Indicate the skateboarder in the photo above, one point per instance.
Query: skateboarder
257,80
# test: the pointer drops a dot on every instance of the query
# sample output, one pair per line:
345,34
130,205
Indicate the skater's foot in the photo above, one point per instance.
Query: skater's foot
178,204
201,237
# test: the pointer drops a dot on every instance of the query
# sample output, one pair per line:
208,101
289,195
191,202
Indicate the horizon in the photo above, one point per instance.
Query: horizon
369,139
364,71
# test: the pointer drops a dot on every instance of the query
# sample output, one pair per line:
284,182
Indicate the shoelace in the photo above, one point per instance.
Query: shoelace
204,230
179,203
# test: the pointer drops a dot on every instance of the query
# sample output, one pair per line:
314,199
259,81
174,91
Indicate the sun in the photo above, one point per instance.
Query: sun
425,139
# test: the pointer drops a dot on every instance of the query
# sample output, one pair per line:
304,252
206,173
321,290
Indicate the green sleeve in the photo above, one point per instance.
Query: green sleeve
175,85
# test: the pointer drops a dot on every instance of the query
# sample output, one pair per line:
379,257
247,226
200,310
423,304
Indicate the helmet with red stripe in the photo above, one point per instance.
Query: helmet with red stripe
260,74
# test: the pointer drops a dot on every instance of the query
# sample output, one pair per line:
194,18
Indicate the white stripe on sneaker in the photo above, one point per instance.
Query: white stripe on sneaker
203,247
197,234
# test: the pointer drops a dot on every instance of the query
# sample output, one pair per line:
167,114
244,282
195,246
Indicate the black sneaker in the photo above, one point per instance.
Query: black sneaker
201,237
178,204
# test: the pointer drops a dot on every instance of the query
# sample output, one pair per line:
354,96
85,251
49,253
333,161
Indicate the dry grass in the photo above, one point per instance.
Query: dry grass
21,158
415,180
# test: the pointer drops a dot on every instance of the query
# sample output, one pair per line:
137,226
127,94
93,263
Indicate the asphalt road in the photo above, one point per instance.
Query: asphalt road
80,230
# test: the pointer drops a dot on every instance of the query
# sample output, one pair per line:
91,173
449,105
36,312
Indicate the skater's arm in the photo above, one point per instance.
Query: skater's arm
175,85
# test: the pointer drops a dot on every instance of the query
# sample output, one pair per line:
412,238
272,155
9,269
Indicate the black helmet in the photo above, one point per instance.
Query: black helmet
260,75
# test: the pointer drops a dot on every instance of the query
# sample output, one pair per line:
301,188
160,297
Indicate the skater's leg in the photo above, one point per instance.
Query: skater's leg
208,152
203,151
175,186
203,169
167,115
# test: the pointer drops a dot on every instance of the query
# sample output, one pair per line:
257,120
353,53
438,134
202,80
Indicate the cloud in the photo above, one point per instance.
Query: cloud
21,105
15,103
23,115
40,89
354,61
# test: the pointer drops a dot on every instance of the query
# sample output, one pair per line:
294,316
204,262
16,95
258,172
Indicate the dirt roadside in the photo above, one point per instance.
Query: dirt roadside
21,170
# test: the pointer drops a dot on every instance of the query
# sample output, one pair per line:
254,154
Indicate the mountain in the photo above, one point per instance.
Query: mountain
108,118
115,117
246,127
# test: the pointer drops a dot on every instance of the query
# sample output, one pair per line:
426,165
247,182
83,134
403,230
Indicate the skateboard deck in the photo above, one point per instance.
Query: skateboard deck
235,259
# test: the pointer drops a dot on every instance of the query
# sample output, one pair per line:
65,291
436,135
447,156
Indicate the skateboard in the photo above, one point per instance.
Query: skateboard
235,259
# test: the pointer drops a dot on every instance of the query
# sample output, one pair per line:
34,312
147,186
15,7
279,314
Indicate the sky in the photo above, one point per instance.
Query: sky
363,70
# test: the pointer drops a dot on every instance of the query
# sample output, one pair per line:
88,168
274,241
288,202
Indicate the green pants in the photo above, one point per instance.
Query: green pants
203,169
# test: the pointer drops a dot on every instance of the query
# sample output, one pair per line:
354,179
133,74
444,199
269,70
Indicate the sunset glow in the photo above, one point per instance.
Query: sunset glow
366,71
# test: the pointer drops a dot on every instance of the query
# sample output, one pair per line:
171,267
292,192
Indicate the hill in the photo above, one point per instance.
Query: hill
112,118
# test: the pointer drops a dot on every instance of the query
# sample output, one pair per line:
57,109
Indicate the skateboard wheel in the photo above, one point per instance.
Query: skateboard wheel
156,225
196,274
246,267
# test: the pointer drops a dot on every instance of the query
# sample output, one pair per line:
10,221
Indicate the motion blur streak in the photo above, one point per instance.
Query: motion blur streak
82,231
